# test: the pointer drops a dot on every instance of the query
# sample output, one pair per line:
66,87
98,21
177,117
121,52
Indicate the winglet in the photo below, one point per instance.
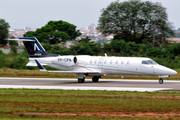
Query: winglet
41,68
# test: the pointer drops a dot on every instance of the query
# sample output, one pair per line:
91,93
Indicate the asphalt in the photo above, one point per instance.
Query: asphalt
103,84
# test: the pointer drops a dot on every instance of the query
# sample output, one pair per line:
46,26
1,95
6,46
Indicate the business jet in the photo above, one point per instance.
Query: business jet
94,66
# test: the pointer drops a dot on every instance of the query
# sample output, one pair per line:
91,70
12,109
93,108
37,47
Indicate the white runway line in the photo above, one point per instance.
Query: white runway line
84,88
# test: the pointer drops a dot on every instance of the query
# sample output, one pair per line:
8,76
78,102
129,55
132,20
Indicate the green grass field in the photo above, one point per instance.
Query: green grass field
93,105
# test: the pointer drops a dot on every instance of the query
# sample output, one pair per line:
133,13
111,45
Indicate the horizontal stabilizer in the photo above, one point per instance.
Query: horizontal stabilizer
21,39
33,63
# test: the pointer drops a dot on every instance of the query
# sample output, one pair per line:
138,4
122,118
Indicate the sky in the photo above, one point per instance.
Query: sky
81,13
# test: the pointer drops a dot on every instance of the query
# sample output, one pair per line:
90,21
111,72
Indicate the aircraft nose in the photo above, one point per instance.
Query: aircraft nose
162,70
172,72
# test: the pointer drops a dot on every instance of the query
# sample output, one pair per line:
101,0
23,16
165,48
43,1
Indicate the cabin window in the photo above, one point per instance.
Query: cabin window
95,61
105,61
111,62
122,62
149,62
128,62
116,61
91,61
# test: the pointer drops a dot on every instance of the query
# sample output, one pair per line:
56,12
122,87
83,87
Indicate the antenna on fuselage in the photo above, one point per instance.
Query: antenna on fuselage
105,54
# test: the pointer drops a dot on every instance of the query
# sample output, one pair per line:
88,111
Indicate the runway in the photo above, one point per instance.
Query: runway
103,84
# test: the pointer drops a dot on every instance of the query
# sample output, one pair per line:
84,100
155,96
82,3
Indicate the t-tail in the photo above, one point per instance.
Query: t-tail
34,48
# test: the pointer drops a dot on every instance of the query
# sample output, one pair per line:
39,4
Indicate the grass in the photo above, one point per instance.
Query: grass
14,103
37,73
78,118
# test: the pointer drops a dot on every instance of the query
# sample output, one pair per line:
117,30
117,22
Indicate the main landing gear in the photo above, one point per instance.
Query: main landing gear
94,79
160,81
81,80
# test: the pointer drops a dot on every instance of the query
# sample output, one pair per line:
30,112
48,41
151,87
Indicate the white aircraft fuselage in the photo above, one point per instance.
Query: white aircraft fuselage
101,66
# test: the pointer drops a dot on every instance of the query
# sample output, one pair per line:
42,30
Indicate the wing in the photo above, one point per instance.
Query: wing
41,68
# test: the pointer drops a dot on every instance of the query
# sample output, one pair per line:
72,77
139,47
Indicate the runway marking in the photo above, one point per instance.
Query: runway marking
84,88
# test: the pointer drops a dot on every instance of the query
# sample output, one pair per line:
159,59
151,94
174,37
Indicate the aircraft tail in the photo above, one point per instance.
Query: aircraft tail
34,48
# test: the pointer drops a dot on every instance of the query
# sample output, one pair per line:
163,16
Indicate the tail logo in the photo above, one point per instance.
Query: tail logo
35,46
37,50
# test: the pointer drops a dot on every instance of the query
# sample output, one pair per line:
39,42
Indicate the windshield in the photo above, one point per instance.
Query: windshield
149,62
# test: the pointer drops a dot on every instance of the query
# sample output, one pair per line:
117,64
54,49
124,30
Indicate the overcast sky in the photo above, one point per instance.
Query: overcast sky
36,13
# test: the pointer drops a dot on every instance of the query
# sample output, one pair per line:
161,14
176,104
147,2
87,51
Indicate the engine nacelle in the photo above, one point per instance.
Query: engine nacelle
64,60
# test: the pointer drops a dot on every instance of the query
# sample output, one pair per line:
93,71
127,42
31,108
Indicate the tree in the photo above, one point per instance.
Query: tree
134,20
3,31
55,32
103,40
11,42
13,50
85,47
87,39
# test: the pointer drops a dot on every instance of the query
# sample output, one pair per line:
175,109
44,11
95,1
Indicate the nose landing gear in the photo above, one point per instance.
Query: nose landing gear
160,81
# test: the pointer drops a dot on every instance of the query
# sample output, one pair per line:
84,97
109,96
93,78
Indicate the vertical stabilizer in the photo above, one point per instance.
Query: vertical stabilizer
34,48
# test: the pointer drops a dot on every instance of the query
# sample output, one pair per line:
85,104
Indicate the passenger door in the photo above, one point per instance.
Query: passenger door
100,63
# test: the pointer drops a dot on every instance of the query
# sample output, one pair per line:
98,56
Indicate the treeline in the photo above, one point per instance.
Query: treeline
167,55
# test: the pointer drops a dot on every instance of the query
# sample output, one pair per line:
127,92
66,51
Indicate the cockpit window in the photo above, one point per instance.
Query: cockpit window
149,62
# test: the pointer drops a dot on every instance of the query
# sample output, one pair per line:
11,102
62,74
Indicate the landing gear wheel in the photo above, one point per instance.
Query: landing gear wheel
95,78
160,81
81,80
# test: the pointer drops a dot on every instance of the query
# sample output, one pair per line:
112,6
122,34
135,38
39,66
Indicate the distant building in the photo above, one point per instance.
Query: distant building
92,27
67,44
17,33
173,40
111,36
177,31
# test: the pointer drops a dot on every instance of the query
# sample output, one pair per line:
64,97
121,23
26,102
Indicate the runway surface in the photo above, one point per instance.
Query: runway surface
103,84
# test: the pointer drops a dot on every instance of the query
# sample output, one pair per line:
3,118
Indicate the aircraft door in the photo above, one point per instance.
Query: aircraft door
100,63
118,62
153,67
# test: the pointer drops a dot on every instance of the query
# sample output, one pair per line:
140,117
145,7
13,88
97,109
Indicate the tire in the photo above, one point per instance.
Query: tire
81,80
160,81
95,78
